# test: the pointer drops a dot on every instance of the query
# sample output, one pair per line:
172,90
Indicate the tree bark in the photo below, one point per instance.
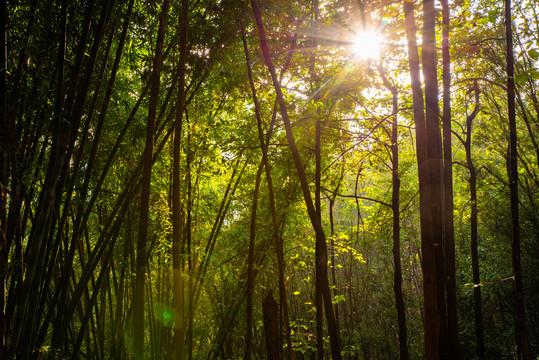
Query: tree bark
271,327
70,116
449,233
188,240
434,144
467,142
177,261
431,320
24,313
276,237
4,165
317,203
523,346
250,268
395,207
140,275
328,306
429,158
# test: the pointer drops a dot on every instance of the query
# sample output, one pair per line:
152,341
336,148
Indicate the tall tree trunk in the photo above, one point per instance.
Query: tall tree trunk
4,163
317,203
22,331
332,244
140,275
188,239
429,158
250,268
431,321
250,259
434,145
177,261
89,172
480,339
71,114
395,207
328,306
467,142
276,236
449,233
523,346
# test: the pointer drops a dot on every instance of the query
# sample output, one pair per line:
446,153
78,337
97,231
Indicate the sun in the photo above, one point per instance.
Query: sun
366,45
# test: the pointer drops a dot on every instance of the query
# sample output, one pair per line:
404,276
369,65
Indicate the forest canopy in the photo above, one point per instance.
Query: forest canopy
226,179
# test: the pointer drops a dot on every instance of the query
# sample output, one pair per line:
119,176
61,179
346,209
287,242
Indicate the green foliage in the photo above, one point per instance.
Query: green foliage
81,249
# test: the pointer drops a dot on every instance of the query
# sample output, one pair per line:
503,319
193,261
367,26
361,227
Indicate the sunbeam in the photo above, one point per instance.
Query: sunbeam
366,45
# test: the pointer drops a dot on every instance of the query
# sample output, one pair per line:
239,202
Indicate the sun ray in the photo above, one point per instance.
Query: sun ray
366,45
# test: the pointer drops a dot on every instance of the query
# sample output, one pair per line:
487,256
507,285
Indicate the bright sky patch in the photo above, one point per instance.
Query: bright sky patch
366,45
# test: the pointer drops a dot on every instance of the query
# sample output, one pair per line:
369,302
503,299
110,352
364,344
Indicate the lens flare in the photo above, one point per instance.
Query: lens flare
366,45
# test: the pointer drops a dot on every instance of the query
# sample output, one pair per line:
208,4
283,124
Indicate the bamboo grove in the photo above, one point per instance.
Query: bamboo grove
218,179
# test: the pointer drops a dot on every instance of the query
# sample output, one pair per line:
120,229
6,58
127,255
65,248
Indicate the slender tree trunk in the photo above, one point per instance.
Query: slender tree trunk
104,271
106,239
475,256
22,332
89,171
395,207
250,259
250,268
138,295
216,228
449,233
4,164
177,261
333,331
317,203
72,110
523,346
478,313
188,236
319,271
276,236
332,244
